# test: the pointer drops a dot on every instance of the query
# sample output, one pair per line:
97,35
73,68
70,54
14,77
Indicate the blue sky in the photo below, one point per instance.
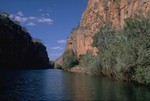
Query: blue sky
49,20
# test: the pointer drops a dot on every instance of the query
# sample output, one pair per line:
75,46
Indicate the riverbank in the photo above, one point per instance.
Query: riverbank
79,69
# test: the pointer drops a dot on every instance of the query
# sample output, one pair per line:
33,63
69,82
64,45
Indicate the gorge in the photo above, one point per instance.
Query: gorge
112,39
105,58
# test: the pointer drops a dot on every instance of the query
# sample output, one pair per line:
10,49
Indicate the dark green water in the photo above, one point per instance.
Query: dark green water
57,85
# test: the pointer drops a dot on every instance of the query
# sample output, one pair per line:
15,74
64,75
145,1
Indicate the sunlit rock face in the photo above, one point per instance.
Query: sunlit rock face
98,13
17,50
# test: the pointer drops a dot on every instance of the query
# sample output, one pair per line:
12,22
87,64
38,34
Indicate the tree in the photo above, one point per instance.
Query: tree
69,59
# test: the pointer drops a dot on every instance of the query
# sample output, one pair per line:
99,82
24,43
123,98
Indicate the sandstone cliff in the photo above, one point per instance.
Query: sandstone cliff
17,50
98,13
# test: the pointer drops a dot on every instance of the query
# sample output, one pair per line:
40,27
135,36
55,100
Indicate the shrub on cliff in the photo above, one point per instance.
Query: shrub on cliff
85,59
57,66
105,41
69,59
137,33
37,40
125,54
91,63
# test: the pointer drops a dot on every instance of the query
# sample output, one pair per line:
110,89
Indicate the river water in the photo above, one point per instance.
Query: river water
57,85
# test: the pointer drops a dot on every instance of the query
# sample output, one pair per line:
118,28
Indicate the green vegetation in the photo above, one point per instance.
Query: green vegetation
87,26
52,63
117,1
90,63
77,27
4,15
123,54
69,59
85,59
57,66
37,40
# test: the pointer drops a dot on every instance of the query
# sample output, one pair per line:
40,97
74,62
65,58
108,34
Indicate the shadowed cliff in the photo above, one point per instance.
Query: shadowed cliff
17,50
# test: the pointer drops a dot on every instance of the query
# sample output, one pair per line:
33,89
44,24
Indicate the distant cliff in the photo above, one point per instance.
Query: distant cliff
112,39
17,50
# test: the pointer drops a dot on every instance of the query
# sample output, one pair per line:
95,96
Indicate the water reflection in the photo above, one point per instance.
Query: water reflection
80,87
52,85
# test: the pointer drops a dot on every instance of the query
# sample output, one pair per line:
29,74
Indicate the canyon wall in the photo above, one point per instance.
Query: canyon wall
98,13
17,50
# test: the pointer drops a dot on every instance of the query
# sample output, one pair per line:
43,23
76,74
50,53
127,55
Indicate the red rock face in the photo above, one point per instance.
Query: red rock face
98,13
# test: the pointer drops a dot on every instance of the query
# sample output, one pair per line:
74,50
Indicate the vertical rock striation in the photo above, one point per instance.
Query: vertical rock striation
98,13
